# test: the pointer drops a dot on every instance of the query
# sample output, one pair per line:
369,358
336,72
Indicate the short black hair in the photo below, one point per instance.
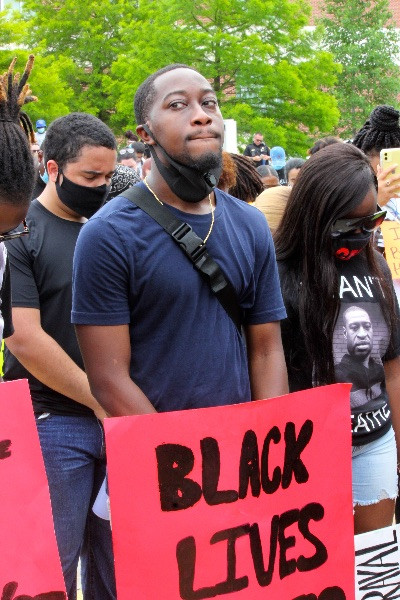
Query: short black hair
293,163
17,172
67,135
266,171
146,92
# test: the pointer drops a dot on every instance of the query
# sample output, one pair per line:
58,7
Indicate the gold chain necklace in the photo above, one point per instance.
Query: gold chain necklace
211,206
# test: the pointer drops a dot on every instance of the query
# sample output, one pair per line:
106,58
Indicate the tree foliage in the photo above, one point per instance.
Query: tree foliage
263,61
362,37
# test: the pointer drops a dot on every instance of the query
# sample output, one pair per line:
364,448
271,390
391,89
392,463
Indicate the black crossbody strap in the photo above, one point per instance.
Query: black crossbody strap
193,246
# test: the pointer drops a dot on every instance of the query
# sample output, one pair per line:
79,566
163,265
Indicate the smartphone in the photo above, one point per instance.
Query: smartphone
390,156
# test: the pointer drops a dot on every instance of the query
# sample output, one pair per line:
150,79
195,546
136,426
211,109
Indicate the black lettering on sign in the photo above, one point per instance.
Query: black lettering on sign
5,451
331,593
294,447
186,553
175,462
177,492
379,570
10,589
211,462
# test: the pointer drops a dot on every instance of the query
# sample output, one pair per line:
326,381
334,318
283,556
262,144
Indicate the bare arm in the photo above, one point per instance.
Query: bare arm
392,376
40,354
106,352
267,367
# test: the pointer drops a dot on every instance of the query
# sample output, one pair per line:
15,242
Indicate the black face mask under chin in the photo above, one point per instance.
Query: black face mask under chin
83,200
188,183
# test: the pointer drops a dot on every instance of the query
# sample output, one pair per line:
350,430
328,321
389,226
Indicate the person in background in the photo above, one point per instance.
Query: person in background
131,137
382,130
269,176
139,149
227,178
122,179
292,169
40,134
126,157
278,162
272,203
248,182
328,265
322,143
257,150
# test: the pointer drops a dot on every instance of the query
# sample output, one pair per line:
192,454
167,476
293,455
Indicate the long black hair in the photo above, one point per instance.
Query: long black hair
329,186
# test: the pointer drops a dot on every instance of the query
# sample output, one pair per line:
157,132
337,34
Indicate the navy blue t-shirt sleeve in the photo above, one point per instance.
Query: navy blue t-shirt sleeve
100,276
264,294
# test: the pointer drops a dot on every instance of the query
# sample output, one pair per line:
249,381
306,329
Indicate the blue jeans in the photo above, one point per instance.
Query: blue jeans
374,468
74,456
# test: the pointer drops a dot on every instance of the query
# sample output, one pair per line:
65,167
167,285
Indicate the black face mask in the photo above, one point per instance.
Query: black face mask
348,245
83,200
188,183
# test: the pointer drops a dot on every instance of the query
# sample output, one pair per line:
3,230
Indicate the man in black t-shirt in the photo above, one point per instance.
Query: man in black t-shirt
80,155
357,366
258,151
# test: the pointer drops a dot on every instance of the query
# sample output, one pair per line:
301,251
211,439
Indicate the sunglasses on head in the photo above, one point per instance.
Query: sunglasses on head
366,224
126,151
12,235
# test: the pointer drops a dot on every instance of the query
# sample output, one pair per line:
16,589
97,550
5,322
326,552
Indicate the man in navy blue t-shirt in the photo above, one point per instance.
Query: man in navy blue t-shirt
153,335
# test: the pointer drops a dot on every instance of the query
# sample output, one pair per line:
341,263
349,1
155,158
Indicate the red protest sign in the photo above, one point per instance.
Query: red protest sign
245,501
29,564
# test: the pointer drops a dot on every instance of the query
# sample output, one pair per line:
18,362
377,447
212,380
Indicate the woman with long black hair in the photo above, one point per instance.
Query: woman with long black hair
343,323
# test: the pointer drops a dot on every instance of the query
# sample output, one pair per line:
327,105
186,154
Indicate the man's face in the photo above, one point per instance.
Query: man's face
37,154
94,166
186,120
258,139
358,333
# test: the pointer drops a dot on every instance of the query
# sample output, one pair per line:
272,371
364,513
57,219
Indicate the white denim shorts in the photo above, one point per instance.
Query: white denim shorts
374,468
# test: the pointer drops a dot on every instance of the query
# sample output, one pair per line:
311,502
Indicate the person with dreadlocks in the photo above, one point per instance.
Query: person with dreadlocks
382,130
338,292
16,173
248,182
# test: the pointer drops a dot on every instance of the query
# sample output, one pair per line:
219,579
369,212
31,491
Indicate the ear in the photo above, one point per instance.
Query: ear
52,170
144,132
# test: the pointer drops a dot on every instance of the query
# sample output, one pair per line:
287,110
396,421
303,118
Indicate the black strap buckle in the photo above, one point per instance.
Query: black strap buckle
191,243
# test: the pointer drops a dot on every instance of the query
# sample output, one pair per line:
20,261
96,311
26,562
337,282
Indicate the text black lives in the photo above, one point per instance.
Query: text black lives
180,492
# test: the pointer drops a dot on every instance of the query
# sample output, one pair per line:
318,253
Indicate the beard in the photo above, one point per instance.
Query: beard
203,164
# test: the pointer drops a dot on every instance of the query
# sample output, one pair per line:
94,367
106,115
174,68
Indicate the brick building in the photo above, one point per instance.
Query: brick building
394,6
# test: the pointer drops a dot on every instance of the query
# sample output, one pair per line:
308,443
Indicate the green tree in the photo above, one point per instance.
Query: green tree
362,37
258,54
81,40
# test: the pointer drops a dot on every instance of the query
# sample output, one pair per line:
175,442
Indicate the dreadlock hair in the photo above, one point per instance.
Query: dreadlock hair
146,92
322,143
227,178
329,186
17,173
67,135
248,182
380,131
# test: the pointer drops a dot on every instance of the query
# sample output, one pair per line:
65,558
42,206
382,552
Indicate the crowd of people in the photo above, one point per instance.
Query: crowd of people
146,278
